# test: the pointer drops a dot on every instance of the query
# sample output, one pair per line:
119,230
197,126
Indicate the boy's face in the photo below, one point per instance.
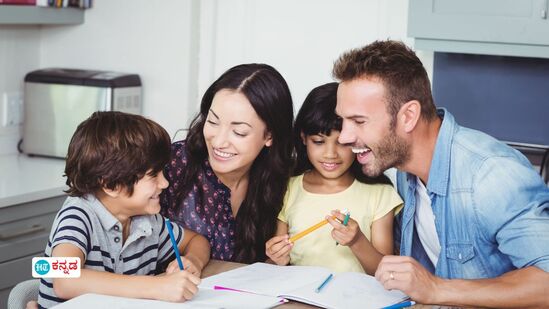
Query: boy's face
145,199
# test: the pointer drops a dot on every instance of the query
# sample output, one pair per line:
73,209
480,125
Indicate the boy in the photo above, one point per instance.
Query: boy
111,221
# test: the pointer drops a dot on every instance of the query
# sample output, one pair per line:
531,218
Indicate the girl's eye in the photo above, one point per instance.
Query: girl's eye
318,142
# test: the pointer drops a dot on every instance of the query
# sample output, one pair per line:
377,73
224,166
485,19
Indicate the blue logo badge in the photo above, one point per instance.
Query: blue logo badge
42,267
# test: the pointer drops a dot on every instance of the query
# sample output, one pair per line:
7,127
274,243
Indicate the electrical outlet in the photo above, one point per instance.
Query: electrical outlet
12,109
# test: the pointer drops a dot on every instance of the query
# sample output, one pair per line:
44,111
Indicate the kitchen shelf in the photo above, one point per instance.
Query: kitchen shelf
36,15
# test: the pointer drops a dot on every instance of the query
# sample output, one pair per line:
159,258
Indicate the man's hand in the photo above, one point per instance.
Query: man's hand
407,275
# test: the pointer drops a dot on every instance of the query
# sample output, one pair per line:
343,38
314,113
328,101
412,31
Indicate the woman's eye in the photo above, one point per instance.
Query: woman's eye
211,122
240,134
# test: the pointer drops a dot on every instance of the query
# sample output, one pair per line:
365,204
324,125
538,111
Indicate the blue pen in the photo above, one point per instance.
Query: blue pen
323,284
408,303
345,221
174,244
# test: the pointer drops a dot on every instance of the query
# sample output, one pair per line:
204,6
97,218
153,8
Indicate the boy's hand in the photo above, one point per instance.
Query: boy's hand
177,286
278,249
344,235
190,264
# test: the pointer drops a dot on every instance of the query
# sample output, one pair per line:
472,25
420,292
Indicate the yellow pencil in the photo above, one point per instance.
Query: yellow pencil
309,230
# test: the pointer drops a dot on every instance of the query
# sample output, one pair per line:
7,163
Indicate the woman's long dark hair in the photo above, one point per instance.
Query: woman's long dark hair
317,116
270,97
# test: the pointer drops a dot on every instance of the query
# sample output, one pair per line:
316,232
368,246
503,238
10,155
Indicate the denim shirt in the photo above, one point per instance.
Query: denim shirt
491,207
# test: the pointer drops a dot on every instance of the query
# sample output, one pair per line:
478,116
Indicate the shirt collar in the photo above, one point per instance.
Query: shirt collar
107,220
212,177
140,225
439,172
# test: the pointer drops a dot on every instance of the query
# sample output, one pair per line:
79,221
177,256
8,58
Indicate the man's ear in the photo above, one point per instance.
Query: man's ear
408,115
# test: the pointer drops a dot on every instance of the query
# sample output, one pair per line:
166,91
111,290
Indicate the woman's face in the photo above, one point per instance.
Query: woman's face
234,133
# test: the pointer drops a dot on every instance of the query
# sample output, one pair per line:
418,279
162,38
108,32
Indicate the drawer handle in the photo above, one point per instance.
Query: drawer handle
31,230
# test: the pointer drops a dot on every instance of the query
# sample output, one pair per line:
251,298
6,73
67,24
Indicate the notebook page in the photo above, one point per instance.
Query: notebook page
267,279
347,290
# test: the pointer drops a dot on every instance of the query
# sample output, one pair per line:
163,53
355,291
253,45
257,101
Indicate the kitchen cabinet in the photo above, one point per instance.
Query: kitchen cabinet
24,231
494,27
37,15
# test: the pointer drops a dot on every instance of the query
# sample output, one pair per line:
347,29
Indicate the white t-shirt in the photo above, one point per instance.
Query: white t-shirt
425,223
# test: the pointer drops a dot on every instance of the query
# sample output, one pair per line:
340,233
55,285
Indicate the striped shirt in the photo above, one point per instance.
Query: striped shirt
88,225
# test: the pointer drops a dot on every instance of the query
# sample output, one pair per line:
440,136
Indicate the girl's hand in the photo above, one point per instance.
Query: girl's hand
190,264
278,249
344,235
177,286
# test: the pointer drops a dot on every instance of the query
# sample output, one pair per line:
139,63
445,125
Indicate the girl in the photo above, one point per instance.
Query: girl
329,177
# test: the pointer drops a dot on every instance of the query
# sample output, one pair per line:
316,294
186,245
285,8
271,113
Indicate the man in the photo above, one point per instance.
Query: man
474,207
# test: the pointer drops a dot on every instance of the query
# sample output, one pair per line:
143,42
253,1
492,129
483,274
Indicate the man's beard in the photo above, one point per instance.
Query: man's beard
392,151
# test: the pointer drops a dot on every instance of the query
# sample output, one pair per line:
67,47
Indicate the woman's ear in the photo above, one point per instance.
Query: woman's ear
269,140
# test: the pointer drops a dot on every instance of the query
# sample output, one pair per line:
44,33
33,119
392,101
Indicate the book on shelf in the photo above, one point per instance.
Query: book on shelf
18,2
300,283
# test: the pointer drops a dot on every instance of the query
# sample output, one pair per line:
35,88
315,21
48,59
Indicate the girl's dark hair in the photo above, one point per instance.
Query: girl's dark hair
111,149
270,97
317,116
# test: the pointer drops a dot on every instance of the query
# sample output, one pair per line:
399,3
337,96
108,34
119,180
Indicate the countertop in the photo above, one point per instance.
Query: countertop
25,179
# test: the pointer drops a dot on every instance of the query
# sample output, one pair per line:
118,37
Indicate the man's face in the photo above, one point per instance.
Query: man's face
367,127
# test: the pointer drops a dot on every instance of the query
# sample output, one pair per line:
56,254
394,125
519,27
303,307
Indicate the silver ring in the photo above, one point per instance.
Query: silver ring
391,275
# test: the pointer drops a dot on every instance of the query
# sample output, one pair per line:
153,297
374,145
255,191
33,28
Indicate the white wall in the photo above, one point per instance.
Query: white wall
301,39
19,54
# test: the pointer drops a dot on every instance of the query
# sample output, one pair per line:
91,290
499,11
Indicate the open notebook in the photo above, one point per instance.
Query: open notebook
345,290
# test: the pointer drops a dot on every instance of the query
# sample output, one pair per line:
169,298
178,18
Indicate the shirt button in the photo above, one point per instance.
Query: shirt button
116,228
459,256
116,239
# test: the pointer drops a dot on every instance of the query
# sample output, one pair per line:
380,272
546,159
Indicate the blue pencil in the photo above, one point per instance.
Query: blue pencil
408,303
174,244
323,284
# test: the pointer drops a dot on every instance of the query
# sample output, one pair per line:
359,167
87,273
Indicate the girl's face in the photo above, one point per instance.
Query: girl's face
234,133
329,158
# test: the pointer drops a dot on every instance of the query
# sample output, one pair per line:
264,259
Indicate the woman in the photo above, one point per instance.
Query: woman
228,178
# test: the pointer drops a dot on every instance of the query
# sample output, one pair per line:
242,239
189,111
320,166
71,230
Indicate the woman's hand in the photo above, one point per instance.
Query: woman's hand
278,249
